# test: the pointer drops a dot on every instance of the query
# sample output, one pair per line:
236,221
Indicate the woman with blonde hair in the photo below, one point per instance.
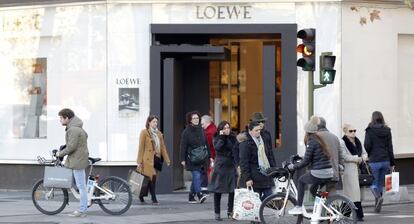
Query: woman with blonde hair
353,155
151,154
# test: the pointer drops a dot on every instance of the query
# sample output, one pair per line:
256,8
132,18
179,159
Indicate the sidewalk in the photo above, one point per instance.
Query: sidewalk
17,207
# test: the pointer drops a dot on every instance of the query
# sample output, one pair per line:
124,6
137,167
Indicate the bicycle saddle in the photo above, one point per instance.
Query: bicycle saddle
94,160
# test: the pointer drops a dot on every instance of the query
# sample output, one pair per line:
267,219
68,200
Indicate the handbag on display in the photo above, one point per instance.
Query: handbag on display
365,175
246,204
57,177
158,161
137,181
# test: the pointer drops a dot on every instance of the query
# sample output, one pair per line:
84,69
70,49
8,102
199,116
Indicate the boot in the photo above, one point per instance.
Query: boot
217,217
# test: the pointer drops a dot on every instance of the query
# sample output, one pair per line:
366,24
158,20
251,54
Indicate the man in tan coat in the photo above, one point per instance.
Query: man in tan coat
77,152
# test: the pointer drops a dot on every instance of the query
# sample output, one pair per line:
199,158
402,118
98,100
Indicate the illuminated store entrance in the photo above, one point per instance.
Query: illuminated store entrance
226,75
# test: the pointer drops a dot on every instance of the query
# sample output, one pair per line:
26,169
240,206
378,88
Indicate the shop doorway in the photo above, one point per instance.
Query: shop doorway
228,76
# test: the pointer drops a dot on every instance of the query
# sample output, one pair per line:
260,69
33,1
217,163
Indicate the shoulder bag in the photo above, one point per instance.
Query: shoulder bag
365,175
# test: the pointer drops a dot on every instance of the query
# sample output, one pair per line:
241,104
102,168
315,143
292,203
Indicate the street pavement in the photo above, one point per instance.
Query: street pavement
16,207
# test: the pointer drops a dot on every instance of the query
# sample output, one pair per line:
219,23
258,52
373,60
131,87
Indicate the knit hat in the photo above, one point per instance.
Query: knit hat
312,125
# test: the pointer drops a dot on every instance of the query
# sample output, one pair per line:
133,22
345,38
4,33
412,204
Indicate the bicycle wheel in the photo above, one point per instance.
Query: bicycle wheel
49,201
270,210
122,196
345,207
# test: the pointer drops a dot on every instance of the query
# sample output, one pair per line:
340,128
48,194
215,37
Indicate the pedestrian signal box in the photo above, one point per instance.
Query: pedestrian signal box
326,67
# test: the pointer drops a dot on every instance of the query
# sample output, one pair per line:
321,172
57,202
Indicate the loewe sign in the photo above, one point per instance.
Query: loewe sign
223,12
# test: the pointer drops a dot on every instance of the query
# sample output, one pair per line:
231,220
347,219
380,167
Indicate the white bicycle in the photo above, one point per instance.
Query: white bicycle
112,194
335,208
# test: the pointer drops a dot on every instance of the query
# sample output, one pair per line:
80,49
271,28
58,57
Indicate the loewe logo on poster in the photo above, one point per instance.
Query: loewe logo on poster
223,12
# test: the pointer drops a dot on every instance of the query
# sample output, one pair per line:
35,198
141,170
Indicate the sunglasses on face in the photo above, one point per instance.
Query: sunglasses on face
350,131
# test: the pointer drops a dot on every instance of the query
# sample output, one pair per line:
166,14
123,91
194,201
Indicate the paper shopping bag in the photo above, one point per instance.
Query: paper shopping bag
246,205
137,182
392,182
57,177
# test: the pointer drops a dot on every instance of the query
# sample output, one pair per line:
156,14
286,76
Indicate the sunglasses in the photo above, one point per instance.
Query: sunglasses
350,131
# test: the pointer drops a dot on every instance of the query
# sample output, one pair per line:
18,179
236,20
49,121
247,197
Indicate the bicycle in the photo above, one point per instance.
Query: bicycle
112,194
332,208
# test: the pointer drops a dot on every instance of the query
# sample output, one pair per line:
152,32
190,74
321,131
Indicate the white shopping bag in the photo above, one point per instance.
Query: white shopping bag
246,205
392,182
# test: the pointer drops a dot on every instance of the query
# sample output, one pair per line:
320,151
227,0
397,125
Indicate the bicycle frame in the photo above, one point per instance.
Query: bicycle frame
108,194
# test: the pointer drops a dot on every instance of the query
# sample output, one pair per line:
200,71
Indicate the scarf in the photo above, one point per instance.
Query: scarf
261,155
353,149
154,135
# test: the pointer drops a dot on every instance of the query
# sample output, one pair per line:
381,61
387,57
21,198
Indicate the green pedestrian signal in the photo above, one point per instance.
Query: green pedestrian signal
326,68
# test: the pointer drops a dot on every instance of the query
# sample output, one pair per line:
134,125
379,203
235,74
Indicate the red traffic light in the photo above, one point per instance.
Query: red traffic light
306,34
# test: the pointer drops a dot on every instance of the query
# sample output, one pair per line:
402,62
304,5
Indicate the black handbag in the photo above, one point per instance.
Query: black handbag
365,175
158,161
198,155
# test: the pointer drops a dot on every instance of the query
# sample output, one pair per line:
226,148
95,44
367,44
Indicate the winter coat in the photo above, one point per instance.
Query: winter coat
241,137
193,137
314,157
267,138
333,143
210,131
146,152
224,177
249,164
378,144
350,180
76,145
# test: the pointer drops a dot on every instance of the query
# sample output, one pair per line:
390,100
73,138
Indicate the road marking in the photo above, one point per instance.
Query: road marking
399,216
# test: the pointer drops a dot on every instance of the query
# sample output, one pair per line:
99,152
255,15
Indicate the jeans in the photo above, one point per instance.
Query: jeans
263,192
80,179
196,182
204,179
379,170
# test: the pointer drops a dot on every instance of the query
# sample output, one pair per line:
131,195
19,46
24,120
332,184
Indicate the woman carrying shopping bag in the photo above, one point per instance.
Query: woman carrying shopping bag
151,154
224,176
378,144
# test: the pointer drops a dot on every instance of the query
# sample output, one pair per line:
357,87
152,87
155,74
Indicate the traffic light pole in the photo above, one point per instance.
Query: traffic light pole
311,89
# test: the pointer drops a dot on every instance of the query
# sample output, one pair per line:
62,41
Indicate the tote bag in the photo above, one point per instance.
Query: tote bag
392,182
136,181
246,205
57,177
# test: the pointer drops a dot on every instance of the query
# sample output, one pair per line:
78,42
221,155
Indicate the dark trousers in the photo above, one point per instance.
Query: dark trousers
263,192
305,179
151,188
359,211
217,199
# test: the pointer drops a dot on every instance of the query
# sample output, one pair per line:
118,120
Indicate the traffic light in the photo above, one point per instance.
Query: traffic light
326,67
307,48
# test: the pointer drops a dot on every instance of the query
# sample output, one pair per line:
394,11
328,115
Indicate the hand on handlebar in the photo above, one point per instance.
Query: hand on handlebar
291,167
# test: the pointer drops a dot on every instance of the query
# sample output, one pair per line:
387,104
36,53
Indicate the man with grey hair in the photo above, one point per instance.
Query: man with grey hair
333,143
210,130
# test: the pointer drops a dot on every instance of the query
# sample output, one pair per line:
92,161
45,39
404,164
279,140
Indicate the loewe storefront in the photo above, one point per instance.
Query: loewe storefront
115,62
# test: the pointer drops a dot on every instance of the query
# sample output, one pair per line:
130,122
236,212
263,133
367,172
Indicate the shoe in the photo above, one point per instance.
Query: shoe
230,215
360,219
378,205
201,197
141,199
77,214
217,217
191,199
155,203
297,210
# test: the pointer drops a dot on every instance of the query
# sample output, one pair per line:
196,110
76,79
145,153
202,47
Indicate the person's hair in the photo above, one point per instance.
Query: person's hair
376,118
149,119
322,123
345,127
66,113
190,114
207,118
252,124
321,142
221,127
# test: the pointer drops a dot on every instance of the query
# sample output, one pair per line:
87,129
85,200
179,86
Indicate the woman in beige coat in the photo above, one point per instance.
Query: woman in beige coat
151,148
353,154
